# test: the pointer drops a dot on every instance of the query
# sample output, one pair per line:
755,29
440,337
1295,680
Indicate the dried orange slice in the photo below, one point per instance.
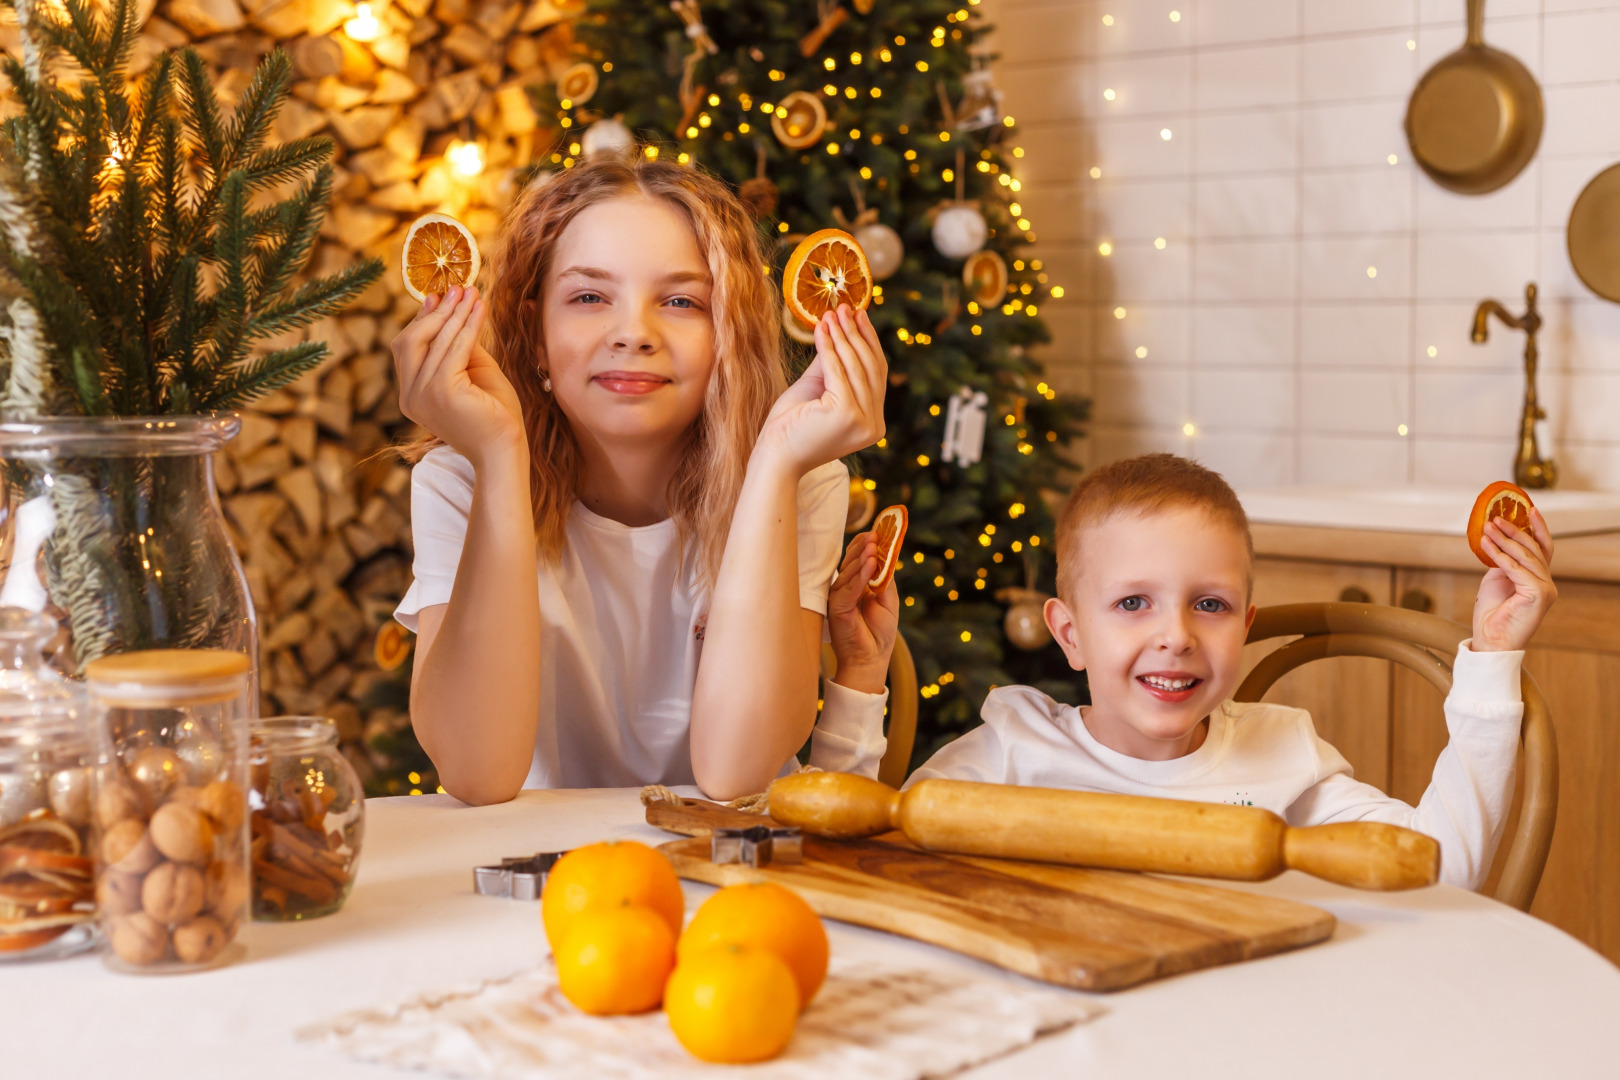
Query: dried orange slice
888,531
1502,499
828,268
439,253
985,275
393,645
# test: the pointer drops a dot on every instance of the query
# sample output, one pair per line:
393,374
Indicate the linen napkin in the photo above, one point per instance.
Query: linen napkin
870,1019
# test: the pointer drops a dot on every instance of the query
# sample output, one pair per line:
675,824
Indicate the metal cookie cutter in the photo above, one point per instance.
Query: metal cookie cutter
520,878
757,846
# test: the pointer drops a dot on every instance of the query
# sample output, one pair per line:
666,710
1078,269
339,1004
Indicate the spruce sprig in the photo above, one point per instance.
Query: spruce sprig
137,230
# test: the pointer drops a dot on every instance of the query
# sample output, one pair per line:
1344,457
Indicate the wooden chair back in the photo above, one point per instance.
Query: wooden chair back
903,699
1427,644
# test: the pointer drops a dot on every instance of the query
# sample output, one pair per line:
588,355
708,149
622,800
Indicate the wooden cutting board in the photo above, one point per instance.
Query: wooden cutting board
1087,929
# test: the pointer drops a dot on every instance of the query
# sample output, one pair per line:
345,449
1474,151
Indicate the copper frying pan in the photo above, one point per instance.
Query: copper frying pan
1474,120
1594,234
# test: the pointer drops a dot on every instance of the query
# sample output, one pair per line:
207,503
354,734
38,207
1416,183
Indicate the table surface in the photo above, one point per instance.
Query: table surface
1438,982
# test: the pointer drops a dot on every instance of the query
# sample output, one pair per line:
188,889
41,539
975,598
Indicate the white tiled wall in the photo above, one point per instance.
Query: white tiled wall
1311,300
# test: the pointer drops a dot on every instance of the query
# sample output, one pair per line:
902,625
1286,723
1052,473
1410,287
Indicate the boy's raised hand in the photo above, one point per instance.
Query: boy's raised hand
1516,593
449,384
861,624
836,406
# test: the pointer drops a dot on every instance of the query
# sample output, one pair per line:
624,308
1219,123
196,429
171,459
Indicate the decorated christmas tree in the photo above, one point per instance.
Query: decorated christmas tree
883,119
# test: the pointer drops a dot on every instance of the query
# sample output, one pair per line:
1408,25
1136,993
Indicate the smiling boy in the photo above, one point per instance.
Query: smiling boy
1155,572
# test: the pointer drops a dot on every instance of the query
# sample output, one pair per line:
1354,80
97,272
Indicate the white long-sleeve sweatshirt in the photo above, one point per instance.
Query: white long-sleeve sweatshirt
848,736
1259,754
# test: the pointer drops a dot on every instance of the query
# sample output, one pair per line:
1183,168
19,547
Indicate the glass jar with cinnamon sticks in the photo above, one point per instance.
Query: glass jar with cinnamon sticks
308,819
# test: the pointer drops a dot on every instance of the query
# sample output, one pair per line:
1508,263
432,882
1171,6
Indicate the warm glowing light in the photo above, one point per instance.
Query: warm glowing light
1108,20
1372,271
1188,430
1119,313
1108,94
1158,242
1433,351
364,26
1141,352
1411,46
1057,292
1400,430
466,158
1105,248
1393,160
1164,133
1096,173
1175,16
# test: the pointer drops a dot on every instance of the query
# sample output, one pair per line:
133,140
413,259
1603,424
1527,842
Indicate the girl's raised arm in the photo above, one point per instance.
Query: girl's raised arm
475,689
755,700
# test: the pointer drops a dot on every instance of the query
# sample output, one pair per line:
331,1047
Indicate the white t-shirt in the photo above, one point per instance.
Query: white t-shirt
621,624
1260,754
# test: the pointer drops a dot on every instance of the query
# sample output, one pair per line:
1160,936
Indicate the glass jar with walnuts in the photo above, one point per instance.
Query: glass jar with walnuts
47,753
308,817
170,807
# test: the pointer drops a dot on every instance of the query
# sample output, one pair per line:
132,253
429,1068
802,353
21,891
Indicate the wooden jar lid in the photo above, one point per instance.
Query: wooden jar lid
167,677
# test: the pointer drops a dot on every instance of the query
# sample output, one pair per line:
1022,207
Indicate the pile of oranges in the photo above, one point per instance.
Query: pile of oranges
733,984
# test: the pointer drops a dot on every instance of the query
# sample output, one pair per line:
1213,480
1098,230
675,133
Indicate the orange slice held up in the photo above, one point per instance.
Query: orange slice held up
1501,500
887,532
828,268
440,253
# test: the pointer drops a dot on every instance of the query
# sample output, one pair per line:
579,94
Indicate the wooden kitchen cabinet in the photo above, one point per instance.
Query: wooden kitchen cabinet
1388,721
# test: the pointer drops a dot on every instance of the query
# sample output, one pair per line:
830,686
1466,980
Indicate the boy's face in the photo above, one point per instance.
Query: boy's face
1157,621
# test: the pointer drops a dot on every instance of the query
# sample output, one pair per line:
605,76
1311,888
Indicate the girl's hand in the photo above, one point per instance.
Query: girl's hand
862,625
450,385
1515,595
836,407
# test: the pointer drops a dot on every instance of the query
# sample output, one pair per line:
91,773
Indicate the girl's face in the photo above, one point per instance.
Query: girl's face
629,333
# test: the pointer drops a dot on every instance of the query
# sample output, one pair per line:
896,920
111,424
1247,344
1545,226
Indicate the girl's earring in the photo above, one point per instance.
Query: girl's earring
545,383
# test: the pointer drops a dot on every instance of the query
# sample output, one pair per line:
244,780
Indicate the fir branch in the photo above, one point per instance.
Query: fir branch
270,167
202,118
256,378
315,300
296,223
256,109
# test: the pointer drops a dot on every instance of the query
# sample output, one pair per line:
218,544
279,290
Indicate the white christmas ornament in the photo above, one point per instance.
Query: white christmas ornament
960,230
883,248
606,136
964,427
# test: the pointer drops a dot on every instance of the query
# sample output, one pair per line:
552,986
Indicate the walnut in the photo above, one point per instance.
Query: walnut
227,890
183,834
225,803
118,800
118,894
172,893
127,848
138,939
200,940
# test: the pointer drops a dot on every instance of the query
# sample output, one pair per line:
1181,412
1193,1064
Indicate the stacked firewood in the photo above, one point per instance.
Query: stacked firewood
318,499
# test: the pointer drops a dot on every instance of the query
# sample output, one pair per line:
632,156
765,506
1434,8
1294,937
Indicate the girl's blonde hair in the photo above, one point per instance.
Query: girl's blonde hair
748,374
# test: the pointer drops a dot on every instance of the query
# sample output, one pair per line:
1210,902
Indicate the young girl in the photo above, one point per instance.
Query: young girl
630,439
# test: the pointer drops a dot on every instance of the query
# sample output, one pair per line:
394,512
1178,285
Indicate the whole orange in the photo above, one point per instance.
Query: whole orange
616,960
732,1004
609,875
766,916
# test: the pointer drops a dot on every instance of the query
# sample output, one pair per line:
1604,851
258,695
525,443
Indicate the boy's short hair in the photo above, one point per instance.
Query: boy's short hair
1141,485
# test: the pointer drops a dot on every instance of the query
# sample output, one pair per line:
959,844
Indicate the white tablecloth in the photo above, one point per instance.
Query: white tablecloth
1436,983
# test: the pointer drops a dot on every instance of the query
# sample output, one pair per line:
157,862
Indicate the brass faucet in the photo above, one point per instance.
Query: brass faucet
1530,470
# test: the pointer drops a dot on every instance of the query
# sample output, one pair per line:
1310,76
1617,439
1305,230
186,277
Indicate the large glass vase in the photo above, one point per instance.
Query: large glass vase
114,527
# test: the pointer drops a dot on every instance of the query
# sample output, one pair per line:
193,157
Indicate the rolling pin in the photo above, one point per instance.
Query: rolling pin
1117,832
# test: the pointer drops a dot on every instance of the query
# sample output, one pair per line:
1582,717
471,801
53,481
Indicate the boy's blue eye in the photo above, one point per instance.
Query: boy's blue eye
1132,603
1210,605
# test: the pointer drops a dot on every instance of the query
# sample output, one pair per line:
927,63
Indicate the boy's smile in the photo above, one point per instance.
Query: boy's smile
1158,618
